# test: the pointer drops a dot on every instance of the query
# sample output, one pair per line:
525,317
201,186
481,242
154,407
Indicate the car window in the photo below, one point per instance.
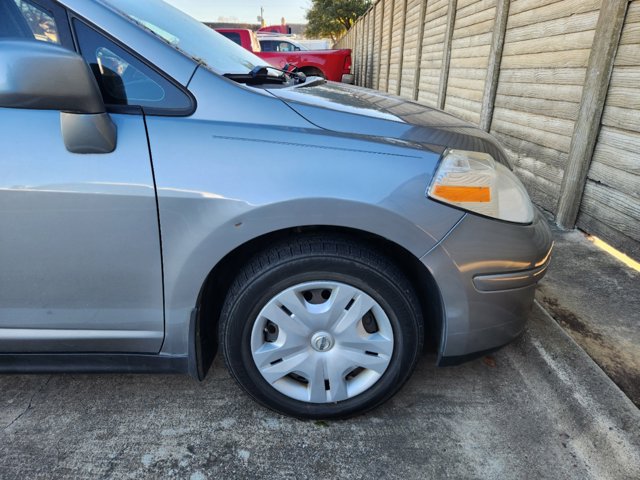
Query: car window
124,79
233,36
278,46
267,45
287,47
24,19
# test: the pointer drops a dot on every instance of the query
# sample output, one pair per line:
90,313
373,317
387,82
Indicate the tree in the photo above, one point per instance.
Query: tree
332,18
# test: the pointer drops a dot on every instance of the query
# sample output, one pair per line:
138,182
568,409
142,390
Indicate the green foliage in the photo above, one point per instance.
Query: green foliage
332,18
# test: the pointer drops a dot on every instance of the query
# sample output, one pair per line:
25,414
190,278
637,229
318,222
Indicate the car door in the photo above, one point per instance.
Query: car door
80,256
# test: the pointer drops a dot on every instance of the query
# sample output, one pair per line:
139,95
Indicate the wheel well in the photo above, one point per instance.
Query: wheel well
218,281
312,71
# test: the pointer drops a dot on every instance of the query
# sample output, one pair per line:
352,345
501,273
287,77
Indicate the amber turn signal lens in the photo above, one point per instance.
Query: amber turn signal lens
463,194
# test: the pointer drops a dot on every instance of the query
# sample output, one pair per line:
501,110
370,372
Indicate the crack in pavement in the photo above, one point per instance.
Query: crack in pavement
38,390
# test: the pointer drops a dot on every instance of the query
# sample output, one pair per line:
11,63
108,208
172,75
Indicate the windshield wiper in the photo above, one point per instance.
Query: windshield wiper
293,71
260,75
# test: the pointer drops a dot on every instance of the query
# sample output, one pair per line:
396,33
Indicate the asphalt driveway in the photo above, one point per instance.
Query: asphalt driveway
539,408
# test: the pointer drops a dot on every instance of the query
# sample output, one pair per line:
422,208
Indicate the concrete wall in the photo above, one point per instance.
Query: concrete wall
530,72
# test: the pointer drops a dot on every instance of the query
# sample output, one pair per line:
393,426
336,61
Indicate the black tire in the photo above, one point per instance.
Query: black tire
313,72
320,258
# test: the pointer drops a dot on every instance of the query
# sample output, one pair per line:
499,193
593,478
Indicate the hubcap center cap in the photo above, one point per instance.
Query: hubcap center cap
322,341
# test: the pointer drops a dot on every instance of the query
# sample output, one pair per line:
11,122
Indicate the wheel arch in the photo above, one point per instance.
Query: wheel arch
312,70
203,337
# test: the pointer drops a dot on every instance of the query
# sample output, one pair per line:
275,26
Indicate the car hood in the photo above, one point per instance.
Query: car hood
361,111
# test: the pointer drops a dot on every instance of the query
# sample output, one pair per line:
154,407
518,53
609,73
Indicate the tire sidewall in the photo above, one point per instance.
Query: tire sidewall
241,314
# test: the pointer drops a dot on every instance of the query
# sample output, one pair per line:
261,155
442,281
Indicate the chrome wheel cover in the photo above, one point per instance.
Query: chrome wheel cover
322,342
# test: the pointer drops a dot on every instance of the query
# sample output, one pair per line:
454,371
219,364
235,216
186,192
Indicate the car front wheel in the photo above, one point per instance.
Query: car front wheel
321,327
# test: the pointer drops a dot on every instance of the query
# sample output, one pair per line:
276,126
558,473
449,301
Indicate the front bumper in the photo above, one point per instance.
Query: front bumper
510,281
487,272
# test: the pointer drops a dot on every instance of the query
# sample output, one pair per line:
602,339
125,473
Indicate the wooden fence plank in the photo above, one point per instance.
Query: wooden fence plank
624,118
567,93
564,8
493,69
615,219
559,26
555,76
616,178
626,204
555,43
554,141
401,59
568,58
446,54
552,157
419,46
628,55
601,60
625,145
539,106
593,225
545,122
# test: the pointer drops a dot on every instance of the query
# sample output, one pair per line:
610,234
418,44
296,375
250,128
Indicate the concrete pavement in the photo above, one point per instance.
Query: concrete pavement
596,298
539,408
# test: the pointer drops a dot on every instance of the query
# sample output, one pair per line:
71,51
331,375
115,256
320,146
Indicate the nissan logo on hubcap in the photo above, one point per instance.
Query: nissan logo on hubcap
322,342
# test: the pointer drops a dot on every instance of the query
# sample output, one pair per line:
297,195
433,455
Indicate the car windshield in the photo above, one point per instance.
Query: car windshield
186,34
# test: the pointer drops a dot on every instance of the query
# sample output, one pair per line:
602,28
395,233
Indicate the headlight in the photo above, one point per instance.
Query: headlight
474,181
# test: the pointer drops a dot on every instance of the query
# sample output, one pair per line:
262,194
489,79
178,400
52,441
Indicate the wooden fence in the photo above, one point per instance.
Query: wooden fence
556,81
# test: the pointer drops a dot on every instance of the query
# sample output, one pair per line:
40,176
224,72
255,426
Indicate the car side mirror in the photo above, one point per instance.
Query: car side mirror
40,76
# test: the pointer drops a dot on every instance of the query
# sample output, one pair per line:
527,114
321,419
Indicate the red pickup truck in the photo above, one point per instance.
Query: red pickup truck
333,65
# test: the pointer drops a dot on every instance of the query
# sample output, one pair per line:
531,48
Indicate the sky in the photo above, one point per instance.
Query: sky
244,11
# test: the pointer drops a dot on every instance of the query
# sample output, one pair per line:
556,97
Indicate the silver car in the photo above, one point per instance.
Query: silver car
164,194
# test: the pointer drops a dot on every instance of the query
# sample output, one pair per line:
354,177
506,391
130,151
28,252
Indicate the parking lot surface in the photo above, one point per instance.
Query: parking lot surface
596,298
539,408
